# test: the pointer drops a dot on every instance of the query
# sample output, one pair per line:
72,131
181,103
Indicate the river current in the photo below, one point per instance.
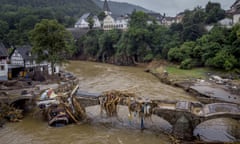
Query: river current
96,78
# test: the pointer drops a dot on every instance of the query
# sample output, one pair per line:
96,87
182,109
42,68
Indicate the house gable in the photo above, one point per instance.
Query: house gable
22,56
235,11
16,58
83,21
235,4
3,62
108,23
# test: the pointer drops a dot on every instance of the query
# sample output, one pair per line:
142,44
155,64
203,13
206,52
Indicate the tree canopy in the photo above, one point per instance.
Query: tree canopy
51,42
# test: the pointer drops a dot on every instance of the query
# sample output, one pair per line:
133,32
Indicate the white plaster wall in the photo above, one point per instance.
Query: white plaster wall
236,18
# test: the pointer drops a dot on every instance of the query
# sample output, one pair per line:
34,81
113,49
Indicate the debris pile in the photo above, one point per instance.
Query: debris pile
110,99
61,108
9,113
140,106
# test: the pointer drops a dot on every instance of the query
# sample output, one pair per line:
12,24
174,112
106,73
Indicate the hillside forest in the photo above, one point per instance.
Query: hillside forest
18,17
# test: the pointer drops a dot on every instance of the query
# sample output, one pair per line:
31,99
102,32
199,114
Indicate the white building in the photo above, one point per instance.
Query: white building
22,57
167,21
226,22
84,24
110,22
3,63
179,17
235,11
121,23
157,16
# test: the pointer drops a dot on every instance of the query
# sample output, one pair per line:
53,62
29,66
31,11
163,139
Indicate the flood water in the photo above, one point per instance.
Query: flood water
96,78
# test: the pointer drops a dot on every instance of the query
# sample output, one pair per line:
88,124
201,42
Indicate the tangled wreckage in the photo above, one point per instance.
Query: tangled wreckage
110,99
61,109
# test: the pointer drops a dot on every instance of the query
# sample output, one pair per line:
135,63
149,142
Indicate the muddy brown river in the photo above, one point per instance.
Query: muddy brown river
98,77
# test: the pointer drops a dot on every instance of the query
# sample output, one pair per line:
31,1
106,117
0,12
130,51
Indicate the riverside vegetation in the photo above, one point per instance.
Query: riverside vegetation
187,44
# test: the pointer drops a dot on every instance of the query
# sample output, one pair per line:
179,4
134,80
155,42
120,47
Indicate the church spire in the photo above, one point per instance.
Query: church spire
106,8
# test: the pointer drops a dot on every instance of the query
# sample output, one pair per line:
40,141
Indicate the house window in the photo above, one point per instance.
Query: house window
238,7
2,68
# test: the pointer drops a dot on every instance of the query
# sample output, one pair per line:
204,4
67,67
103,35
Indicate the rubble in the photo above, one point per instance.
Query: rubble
218,79
110,99
20,87
61,108
9,113
139,106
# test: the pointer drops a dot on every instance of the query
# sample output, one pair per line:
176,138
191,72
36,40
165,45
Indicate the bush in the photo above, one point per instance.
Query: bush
175,55
223,60
148,57
186,64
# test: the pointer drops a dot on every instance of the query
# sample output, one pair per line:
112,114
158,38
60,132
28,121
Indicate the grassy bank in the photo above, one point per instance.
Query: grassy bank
175,73
196,73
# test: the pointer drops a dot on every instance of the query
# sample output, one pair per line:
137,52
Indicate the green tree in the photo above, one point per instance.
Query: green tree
101,16
138,19
87,45
138,36
182,53
107,42
51,42
159,38
176,27
214,12
4,28
234,40
123,53
90,46
210,44
223,59
90,21
193,24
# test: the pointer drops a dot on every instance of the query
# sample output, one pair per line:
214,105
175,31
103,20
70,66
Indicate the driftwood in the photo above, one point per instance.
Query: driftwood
110,99
79,110
10,113
71,115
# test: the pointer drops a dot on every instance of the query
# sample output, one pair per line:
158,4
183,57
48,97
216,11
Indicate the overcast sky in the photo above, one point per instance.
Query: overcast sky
172,7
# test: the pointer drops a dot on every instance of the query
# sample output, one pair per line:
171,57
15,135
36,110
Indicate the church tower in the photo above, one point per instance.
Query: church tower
106,8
